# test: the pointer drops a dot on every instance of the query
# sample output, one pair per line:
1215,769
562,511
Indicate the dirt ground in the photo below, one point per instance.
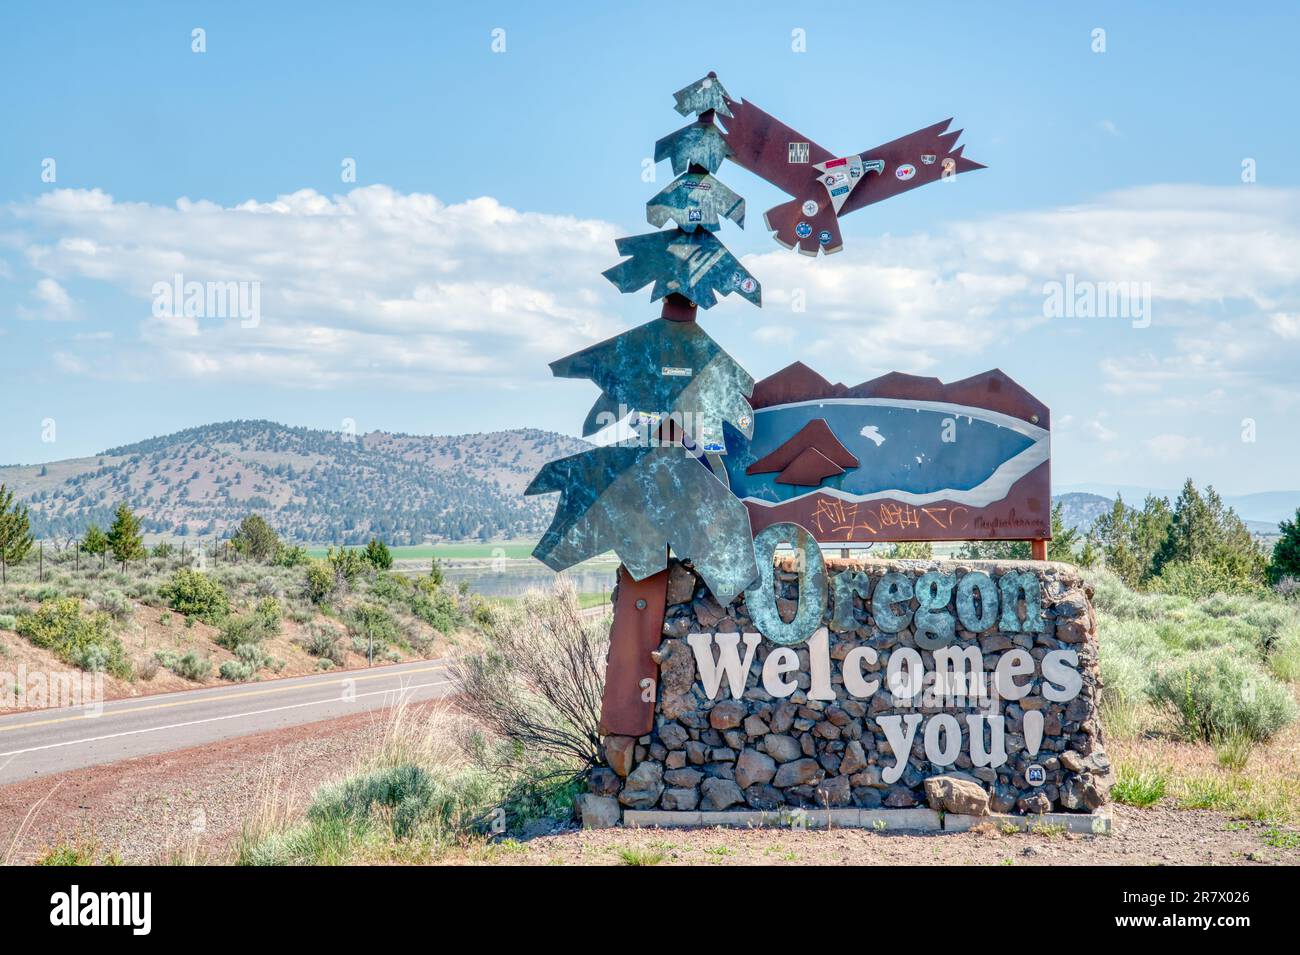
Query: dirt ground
185,806
1142,837
190,806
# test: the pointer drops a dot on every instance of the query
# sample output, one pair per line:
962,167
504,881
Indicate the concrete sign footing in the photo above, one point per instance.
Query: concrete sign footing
881,820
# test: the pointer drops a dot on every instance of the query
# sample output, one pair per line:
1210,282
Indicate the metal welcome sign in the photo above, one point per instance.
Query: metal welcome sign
704,458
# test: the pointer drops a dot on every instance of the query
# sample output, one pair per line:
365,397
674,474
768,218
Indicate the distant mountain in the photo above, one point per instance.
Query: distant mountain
1261,512
1079,510
312,486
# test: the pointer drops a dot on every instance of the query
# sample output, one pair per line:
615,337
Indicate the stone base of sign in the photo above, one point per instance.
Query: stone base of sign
881,820
767,744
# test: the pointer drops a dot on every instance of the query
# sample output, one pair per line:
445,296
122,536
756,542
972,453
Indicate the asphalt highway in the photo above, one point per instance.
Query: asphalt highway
40,742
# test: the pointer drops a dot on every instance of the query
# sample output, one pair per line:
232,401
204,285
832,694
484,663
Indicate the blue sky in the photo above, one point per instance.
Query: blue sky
428,295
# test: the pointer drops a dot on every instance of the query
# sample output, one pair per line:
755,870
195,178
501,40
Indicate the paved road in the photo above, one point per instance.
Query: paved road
40,742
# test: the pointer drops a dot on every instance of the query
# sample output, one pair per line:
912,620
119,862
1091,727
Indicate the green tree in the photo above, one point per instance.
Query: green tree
435,570
1129,539
1113,532
1150,528
1206,533
1286,552
15,532
1061,546
256,539
95,543
376,553
124,538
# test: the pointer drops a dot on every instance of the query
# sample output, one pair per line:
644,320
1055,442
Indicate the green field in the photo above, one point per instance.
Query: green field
468,550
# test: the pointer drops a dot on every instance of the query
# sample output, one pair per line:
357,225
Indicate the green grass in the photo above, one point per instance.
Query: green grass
641,856
1141,788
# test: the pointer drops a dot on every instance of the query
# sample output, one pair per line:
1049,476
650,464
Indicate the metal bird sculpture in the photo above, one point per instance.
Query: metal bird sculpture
826,186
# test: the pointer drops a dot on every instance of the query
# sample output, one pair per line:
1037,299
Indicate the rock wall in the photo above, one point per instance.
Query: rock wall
763,752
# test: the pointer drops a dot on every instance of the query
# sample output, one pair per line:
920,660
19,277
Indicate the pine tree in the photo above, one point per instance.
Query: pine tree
645,492
124,538
95,543
1286,552
377,554
15,532
256,539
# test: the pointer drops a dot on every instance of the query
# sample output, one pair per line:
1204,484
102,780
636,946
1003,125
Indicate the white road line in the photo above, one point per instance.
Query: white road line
214,719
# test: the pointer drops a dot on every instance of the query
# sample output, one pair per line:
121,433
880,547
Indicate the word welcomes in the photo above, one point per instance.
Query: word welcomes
914,635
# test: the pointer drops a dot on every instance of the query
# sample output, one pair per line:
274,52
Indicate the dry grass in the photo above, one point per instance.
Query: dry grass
1263,786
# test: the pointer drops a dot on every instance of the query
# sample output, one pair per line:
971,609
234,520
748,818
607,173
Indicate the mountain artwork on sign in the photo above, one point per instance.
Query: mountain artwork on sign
898,458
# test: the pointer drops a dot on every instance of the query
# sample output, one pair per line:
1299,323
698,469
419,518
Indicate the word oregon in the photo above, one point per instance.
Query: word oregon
981,604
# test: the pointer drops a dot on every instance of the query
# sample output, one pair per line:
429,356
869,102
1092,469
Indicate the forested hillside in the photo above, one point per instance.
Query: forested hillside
310,485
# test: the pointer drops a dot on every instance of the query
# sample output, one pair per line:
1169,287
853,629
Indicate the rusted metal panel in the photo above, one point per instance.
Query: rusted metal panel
826,186
1023,514
992,390
631,674
915,459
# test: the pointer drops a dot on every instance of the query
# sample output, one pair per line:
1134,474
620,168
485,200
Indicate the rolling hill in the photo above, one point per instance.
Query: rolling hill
312,486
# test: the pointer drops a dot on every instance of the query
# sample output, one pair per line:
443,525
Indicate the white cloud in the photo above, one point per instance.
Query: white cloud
1178,448
52,303
370,285
377,285
1287,326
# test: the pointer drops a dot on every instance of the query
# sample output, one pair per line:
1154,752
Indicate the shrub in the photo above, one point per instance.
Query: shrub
392,587
249,659
268,587
374,628
242,631
84,640
539,686
163,549
269,613
191,666
195,594
1201,578
319,581
292,556
404,793
435,607
114,603
8,621
377,555
324,642
347,566
1217,694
